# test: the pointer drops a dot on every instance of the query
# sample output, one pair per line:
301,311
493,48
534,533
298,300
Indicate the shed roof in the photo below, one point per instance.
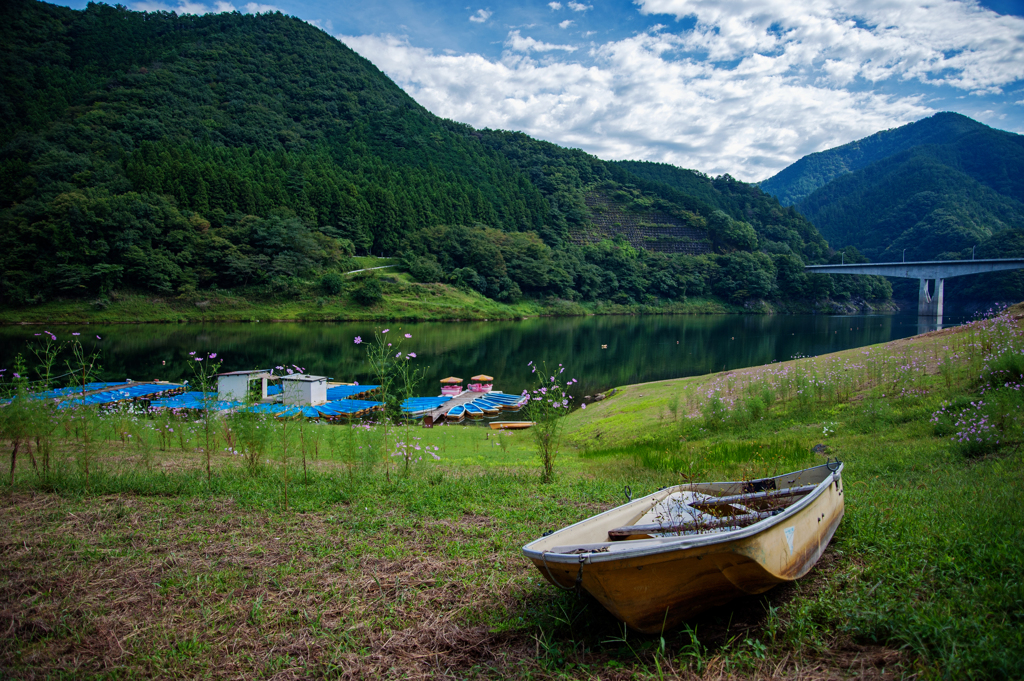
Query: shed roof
255,373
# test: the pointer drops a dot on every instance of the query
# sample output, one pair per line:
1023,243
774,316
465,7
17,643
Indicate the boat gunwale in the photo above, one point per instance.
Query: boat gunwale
684,542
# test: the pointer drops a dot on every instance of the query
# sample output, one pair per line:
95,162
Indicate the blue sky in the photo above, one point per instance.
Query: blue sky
744,87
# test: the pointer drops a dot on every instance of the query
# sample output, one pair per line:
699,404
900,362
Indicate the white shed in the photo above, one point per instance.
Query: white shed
233,386
305,390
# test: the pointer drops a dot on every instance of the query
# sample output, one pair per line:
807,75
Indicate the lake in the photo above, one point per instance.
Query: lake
639,348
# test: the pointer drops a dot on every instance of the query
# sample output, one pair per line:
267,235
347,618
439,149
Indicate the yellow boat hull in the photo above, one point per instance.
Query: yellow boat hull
658,583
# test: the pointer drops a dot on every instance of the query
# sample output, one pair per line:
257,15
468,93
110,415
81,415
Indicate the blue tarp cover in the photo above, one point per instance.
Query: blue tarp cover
130,391
193,400
342,392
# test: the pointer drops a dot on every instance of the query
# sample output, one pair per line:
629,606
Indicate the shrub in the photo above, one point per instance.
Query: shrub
370,292
425,269
332,283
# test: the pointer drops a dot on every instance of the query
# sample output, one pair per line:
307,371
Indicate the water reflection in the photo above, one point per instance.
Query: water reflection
639,348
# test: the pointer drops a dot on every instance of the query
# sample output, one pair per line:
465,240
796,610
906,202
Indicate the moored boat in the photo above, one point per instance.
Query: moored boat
456,413
660,559
510,425
473,411
489,408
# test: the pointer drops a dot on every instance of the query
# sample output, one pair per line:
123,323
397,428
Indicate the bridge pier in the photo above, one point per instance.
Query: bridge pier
930,304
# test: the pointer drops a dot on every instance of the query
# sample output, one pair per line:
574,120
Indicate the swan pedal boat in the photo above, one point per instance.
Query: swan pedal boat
662,558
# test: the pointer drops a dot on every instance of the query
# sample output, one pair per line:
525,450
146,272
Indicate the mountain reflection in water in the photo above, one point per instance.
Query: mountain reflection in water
639,348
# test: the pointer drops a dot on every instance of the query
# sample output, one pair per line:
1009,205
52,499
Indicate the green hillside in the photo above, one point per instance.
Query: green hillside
178,155
976,144
945,187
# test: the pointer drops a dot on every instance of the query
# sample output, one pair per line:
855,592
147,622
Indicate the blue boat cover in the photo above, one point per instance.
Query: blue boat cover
342,392
414,404
130,391
335,408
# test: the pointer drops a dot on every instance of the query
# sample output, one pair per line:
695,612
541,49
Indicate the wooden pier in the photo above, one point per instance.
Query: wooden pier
464,397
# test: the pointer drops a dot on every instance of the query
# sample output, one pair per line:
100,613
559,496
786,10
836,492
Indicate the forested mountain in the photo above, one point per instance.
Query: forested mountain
941,188
176,154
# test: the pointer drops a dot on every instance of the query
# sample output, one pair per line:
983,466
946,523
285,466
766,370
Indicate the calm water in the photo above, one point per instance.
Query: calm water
639,348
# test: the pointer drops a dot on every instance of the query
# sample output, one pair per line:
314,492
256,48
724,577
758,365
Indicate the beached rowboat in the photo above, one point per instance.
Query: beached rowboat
658,560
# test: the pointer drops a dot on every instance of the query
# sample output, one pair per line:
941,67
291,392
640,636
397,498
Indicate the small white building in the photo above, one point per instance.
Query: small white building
304,390
233,386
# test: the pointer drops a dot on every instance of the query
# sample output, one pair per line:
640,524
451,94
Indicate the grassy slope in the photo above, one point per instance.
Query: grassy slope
155,572
405,300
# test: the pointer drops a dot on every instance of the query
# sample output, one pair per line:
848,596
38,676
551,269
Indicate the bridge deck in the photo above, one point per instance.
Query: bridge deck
927,269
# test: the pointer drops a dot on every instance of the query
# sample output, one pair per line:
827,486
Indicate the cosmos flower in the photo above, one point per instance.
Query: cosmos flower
357,341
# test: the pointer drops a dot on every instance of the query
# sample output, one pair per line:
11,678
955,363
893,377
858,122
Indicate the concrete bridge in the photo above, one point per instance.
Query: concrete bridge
929,304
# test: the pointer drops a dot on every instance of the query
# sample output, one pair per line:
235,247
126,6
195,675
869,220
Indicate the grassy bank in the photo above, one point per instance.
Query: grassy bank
402,299
405,301
321,551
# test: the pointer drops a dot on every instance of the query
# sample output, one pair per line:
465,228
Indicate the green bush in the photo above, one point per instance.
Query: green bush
426,270
370,292
332,283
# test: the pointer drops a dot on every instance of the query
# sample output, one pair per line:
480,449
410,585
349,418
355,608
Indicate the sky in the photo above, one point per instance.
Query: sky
744,87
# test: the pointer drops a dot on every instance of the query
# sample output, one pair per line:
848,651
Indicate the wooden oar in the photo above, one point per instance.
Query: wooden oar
754,496
646,529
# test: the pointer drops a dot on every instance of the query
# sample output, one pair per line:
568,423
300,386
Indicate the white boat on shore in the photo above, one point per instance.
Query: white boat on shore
660,559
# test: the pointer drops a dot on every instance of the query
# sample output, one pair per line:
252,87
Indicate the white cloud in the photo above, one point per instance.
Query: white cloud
481,16
188,7
326,25
555,5
256,8
944,42
579,7
565,24
518,43
633,101
752,87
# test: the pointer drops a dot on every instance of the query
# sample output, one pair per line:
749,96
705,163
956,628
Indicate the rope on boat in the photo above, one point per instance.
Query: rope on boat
579,575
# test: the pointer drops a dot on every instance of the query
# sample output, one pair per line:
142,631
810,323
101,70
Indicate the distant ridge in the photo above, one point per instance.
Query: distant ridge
944,187
797,181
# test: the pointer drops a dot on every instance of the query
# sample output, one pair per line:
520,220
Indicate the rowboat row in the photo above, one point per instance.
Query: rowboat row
489,405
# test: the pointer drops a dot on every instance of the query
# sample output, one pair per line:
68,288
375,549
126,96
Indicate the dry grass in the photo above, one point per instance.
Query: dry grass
149,587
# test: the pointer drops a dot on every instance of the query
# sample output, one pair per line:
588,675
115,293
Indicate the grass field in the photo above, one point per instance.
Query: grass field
325,555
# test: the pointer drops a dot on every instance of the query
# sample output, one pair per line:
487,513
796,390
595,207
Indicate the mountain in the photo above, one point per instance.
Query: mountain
945,187
181,154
